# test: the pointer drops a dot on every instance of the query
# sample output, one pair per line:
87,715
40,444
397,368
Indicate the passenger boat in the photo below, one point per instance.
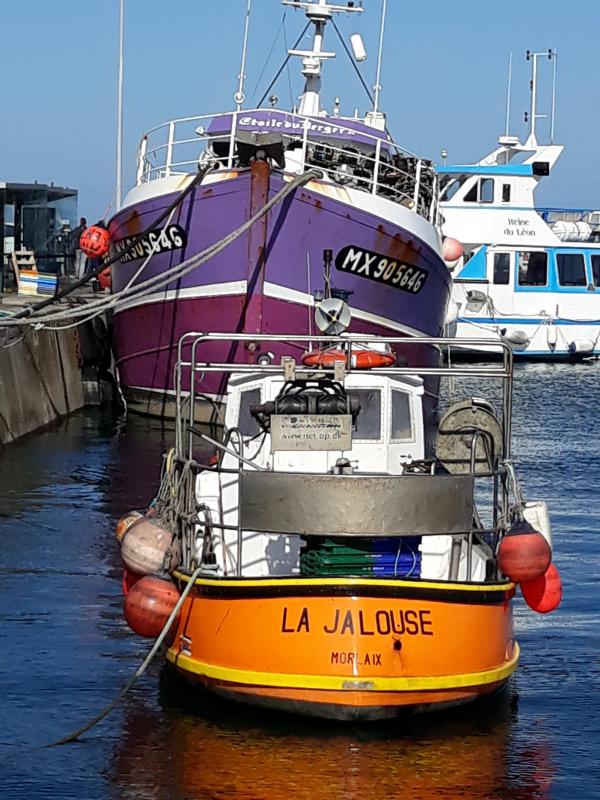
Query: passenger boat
528,277
331,561
238,219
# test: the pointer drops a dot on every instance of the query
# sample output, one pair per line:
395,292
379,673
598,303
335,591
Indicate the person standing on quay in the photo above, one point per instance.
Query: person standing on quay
80,257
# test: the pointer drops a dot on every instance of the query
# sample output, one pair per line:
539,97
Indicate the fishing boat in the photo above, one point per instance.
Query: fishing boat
237,219
331,560
528,277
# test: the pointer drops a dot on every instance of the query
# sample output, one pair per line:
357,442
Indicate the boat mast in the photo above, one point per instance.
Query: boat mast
319,13
239,96
378,86
119,154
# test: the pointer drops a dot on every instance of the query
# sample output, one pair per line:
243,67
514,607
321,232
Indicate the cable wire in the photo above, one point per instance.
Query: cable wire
282,67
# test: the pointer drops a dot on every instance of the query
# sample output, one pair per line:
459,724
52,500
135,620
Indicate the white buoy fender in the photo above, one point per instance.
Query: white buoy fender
476,300
518,340
452,312
144,547
581,347
536,513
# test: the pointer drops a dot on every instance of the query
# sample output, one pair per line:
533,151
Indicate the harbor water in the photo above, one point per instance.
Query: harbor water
65,650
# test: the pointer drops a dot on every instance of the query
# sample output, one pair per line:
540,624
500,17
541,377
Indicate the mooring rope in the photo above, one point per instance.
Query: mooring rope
72,737
157,282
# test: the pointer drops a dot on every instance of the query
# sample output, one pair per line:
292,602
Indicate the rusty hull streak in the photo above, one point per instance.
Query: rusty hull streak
392,246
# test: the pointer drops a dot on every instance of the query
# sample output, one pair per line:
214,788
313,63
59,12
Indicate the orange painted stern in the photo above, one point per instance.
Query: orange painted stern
346,648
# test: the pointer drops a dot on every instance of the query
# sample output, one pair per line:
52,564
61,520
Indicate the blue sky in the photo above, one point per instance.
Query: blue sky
444,78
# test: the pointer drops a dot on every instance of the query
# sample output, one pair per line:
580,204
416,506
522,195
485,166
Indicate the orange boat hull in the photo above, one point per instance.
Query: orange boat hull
346,648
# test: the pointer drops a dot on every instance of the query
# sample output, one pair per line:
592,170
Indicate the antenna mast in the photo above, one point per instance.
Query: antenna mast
378,86
239,96
553,97
533,116
319,13
508,90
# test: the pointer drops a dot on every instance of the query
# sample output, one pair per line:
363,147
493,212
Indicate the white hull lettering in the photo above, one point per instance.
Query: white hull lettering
377,267
164,240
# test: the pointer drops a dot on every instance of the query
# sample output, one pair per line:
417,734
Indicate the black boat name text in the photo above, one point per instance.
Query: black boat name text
384,622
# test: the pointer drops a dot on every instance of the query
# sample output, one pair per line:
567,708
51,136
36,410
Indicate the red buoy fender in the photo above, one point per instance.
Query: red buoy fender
148,605
95,241
360,359
524,554
544,594
129,580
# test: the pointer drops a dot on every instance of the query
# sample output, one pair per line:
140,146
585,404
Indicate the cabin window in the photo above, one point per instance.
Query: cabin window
501,268
533,268
368,422
481,192
506,192
401,421
596,270
571,269
246,423
486,190
471,195
452,186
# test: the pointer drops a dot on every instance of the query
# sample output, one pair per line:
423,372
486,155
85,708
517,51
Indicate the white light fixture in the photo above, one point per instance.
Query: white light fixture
358,47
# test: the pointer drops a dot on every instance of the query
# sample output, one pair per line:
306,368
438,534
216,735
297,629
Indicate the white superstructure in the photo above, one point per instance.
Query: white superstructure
528,277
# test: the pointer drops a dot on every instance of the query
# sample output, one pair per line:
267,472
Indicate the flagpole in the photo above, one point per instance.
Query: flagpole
119,158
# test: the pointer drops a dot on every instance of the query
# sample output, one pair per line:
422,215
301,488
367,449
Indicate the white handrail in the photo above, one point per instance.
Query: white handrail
375,163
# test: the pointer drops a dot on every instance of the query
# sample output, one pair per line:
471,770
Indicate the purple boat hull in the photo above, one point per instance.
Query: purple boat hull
263,281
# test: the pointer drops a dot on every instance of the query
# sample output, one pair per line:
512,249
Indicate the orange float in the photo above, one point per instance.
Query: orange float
148,605
95,241
544,594
452,249
524,554
359,359
129,580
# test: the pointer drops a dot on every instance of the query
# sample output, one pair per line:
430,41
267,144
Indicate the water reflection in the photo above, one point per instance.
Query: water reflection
213,749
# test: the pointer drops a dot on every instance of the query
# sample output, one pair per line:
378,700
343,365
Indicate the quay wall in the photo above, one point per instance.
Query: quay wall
40,380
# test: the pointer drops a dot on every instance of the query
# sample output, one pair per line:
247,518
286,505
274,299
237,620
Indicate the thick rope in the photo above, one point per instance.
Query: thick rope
178,200
72,737
174,273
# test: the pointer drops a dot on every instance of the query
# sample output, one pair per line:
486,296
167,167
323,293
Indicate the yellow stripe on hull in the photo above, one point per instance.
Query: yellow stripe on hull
345,683
312,582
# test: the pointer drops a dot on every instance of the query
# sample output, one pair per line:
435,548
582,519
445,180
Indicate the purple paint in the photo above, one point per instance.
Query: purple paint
279,252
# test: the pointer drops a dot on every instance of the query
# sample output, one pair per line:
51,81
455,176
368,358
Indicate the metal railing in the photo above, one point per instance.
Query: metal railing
346,155
188,368
194,365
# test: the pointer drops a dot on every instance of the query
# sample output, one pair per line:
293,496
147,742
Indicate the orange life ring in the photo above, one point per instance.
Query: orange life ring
360,359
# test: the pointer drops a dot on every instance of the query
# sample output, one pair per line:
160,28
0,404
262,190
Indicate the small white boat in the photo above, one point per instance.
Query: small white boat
527,277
